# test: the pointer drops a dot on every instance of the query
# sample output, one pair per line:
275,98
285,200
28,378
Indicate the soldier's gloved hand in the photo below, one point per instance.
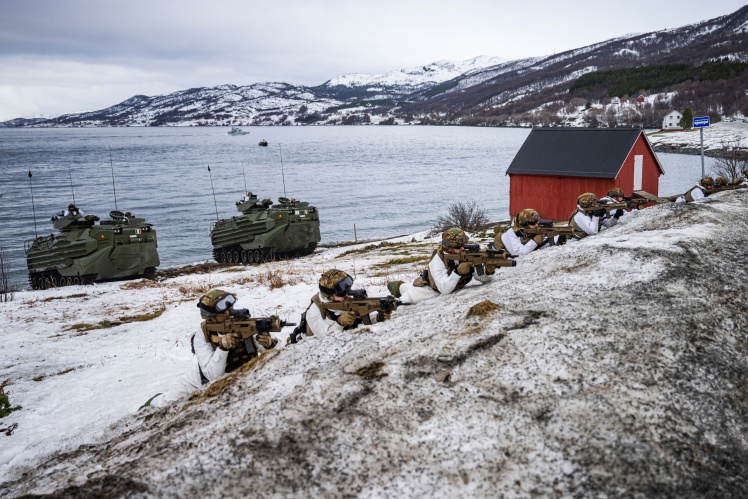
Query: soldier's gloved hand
384,315
599,213
464,268
229,341
618,213
490,269
266,340
561,239
539,240
347,318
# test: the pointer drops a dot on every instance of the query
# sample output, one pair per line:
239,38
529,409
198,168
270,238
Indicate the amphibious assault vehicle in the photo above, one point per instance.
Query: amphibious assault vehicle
84,252
266,231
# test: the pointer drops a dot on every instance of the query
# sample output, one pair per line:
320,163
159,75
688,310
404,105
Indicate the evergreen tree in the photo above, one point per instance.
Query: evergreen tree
686,122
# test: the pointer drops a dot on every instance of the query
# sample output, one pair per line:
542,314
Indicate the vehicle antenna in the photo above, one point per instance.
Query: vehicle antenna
111,164
70,172
245,178
33,208
282,174
214,192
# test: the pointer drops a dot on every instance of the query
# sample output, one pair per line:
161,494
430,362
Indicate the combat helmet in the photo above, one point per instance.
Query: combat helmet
215,301
335,282
707,182
528,216
720,182
745,172
454,238
586,200
616,192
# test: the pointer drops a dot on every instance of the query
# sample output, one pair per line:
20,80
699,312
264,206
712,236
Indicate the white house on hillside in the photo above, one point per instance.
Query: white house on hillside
670,122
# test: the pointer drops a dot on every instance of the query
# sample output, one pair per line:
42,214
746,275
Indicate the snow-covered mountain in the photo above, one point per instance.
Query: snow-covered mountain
270,103
534,84
417,77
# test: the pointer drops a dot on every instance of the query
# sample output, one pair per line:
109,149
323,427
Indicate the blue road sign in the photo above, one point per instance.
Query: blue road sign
701,122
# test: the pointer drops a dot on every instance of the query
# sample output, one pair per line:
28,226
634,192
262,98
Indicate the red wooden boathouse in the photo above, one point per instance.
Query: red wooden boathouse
555,165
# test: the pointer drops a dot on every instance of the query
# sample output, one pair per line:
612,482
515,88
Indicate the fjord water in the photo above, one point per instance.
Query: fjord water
386,180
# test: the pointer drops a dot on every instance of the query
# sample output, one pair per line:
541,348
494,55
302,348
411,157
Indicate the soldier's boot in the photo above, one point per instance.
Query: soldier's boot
394,288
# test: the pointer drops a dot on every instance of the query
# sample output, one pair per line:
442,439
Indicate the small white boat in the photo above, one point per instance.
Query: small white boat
237,131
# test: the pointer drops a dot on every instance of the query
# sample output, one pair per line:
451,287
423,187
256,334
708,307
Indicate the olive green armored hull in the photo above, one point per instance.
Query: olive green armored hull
84,252
264,231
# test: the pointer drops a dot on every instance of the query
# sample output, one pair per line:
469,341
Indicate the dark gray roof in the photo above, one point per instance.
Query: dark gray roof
575,152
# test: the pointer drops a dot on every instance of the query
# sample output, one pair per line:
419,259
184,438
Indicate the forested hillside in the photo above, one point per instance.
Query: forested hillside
702,66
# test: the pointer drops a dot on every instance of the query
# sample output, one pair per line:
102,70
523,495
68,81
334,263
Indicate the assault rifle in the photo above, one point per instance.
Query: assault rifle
550,229
654,199
728,187
357,302
634,203
473,254
362,307
247,327
608,206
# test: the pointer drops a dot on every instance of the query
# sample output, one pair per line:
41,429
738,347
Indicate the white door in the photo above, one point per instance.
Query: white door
638,170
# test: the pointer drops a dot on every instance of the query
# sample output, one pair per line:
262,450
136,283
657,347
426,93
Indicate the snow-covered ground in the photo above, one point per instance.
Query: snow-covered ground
716,137
613,367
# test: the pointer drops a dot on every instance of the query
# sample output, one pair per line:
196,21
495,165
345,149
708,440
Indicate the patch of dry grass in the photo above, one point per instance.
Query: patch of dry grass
39,378
141,284
201,268
83,327
77,295
483,309
194,290
423,259
372,371
368,248
275,277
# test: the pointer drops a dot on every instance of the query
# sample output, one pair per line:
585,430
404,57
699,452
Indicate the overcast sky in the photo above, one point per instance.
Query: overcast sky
65,56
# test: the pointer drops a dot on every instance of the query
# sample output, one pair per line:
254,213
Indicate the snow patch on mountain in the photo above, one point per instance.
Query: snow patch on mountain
478,76
436,72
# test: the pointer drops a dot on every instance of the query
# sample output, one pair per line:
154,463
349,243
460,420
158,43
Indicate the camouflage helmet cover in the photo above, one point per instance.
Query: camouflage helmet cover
528,216
745,172
207,302
706,182
586,200
454,237
616,192
329,279
720,182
